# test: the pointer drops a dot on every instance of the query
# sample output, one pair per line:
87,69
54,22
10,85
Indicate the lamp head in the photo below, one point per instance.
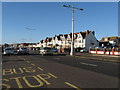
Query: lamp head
64,6
81,8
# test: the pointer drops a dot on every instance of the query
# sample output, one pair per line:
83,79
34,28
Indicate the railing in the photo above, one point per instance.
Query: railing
105,51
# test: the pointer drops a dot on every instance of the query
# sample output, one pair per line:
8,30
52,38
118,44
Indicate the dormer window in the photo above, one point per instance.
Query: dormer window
79,41
79,36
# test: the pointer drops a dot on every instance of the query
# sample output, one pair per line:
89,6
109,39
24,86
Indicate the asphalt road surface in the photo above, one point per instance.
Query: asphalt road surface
36,71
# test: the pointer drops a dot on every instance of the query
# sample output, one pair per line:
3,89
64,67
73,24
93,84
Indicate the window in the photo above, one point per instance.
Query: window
79,41
69,42
92,43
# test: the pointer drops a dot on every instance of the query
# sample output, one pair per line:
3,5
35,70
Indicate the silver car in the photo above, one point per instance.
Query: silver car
46,50
8,50
23,50
83,50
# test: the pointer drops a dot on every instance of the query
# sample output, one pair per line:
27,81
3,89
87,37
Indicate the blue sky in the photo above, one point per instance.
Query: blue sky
49,19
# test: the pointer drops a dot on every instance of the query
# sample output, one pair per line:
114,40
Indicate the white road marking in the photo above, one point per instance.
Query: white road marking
89,64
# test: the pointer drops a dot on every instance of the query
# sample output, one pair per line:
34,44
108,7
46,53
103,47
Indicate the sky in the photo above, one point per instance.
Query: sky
47,19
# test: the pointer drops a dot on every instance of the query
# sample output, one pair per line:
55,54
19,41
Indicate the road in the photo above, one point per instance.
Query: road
52,71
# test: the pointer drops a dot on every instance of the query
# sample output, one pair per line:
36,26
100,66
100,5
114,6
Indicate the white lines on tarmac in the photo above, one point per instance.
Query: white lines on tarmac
89,64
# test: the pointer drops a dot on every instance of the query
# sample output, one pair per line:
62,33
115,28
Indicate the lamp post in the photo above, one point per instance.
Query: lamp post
72,43
30,29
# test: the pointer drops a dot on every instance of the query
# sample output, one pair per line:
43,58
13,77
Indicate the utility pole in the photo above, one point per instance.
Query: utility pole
72,42
30,29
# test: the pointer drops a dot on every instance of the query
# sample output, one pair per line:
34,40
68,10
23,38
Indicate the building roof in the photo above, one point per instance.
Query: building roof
41,41
58,37
49,39
84,34
65,36
106,39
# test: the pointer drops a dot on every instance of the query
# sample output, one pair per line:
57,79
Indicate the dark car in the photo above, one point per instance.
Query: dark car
54,49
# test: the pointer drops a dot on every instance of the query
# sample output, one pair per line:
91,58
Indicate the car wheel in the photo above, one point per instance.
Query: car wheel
18,53
42,54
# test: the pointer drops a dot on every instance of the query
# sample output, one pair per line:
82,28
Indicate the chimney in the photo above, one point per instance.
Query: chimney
93,32
87,32
55,35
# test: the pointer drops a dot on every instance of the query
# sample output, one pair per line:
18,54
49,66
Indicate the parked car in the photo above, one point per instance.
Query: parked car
8,51
47,50
83,50
23,50
54,49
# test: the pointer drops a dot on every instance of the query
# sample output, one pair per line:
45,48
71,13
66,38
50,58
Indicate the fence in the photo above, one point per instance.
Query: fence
105,51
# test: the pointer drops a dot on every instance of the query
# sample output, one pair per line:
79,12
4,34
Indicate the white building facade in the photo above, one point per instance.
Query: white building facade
84,39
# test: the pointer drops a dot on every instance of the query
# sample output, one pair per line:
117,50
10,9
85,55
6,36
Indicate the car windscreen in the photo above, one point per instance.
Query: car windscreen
24,48
46,48
9,49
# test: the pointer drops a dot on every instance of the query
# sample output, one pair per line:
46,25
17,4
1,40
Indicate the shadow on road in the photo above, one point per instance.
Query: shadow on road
4,61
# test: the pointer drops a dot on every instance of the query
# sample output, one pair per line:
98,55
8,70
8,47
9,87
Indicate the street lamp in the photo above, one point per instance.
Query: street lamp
72,43
30,29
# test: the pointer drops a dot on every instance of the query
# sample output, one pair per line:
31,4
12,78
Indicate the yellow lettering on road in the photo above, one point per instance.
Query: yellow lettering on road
6,86
43,77
40,68
73,86
28,62
52,75
21,71
17,81
37,79
33,64
7,72
29,69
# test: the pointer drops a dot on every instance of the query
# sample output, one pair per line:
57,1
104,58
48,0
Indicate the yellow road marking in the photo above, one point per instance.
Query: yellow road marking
18,81
4,85
29,69
40,68
28,62
19,69
33,64
52,75
72,86
44,79
7,72
20,57
36,78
